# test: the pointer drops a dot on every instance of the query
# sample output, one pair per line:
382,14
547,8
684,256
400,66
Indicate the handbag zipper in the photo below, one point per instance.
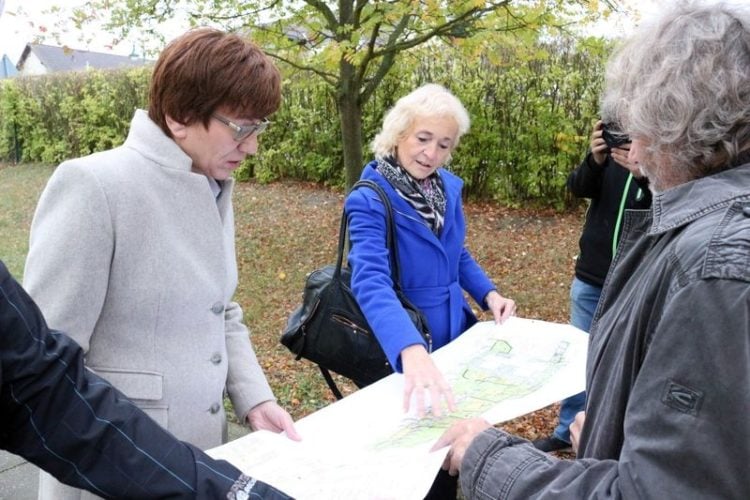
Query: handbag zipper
351,324
358,329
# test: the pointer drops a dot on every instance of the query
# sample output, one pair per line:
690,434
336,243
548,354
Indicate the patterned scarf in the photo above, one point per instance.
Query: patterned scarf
427,195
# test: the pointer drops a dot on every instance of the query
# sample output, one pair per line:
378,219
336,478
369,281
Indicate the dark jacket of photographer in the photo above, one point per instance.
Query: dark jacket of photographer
605,186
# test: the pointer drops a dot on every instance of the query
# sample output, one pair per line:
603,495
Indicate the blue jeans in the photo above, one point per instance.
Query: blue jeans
583,301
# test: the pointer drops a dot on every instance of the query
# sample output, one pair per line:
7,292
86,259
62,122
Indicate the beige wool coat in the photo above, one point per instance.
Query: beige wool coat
132,255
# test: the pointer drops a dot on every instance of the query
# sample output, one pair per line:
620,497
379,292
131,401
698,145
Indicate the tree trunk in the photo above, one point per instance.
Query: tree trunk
350,119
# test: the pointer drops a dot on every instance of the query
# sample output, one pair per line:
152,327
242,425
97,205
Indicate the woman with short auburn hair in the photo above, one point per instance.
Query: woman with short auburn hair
205,70
132,249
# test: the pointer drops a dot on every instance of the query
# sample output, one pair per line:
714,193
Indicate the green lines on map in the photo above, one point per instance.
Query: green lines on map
492,375
501,347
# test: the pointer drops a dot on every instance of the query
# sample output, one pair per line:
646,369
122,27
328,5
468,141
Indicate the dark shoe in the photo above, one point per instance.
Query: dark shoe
550,444
445,487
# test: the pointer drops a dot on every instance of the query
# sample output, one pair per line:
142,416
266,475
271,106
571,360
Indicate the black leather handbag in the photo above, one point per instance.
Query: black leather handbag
329,328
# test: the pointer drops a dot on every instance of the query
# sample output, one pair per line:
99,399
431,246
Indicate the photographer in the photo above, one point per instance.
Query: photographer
613,184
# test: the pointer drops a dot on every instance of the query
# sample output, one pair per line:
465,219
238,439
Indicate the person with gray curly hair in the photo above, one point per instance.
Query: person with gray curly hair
691,106
668,374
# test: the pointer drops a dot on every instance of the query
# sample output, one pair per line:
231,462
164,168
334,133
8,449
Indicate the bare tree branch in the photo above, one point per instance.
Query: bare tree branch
329,78
470,17
387,59
327,14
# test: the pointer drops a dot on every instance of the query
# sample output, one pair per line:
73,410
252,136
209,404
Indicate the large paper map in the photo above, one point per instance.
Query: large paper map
366,447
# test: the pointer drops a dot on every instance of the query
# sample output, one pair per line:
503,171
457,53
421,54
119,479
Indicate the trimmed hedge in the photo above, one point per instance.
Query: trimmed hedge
531,119
51,118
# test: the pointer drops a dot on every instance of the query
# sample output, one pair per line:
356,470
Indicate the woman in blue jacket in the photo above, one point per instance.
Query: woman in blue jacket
418,135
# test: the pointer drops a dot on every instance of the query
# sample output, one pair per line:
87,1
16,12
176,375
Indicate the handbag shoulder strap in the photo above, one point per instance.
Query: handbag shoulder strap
391,245
390,229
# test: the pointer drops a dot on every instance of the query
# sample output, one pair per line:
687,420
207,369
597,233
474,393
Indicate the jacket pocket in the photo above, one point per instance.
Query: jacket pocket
146,389
135,384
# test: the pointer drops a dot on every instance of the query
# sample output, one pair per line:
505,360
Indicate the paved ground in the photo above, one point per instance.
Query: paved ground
18,478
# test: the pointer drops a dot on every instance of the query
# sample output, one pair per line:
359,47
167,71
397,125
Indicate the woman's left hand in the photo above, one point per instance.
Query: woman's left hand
502,307
272,417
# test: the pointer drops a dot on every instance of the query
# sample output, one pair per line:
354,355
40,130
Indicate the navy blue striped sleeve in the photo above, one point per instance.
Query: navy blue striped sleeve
75,425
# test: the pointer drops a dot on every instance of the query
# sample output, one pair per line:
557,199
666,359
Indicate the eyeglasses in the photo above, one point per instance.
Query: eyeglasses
242,132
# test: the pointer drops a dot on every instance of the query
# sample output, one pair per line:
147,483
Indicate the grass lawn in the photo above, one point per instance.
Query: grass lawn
20,187
286,229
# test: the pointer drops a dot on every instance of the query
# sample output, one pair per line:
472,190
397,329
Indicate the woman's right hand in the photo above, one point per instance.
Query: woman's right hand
421,377
598,147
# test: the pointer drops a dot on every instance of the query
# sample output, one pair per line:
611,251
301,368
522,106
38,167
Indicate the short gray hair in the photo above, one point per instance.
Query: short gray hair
428,101
683,84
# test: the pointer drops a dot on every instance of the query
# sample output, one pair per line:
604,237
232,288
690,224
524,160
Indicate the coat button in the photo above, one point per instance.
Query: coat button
217,308
216,358
746,211
215,408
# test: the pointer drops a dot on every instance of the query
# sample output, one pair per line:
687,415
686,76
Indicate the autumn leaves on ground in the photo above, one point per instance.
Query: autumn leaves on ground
285,230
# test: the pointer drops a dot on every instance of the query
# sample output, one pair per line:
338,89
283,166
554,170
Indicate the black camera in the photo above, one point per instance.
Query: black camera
613,137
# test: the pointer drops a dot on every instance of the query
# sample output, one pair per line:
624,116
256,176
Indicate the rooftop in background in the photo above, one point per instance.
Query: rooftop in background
38,59
7,68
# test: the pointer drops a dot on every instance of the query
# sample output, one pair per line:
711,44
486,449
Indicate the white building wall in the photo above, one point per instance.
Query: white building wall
32,66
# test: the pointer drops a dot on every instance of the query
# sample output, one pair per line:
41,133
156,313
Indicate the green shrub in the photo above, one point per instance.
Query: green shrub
65,115
531,115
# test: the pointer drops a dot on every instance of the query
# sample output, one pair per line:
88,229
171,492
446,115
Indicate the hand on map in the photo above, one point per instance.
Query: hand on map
575,429
422,378
502,307
459,436
272,417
